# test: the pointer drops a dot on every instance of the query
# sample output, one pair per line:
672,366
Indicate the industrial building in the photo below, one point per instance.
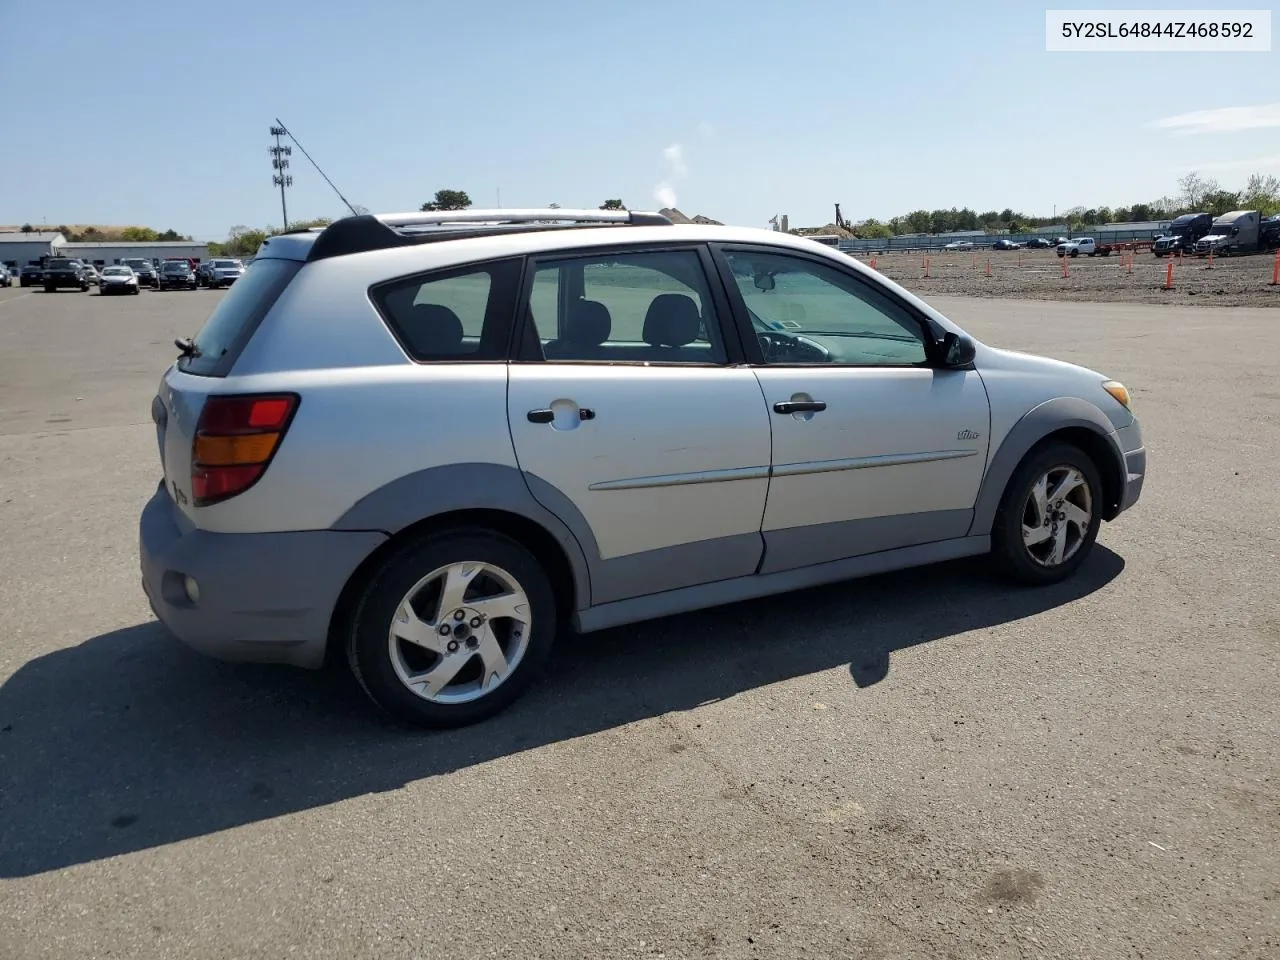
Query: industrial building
105,254
17,249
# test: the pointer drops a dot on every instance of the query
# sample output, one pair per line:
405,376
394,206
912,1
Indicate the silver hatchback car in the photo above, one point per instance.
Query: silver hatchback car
428,442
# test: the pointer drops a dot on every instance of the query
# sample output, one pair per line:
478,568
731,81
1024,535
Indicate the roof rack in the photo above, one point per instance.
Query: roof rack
365,232
548,214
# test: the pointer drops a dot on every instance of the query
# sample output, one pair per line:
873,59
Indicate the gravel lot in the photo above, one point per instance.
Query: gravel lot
1037,275
927,764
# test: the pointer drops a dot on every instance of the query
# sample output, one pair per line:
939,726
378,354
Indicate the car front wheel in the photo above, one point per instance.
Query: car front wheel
452,628
1048,519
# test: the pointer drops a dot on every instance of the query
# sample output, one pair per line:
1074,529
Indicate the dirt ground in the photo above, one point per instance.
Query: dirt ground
1037,275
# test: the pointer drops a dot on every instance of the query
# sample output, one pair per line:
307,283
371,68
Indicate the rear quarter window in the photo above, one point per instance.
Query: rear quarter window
237,315
460,314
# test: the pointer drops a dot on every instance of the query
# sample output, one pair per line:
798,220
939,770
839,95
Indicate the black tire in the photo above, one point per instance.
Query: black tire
50,288
1075,253
134,291
367,636
1012,557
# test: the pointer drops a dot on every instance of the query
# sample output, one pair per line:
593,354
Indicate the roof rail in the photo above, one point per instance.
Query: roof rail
552,214
365,232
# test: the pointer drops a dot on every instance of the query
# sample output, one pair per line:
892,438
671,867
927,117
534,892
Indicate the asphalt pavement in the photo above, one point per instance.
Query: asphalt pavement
925,764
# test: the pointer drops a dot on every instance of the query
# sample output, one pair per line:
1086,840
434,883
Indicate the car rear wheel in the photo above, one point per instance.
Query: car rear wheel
1048,519
452,629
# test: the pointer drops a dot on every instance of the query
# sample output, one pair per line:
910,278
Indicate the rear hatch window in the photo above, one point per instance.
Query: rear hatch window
238,314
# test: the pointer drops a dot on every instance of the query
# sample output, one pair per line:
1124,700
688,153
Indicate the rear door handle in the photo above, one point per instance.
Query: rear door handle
547,415
799,406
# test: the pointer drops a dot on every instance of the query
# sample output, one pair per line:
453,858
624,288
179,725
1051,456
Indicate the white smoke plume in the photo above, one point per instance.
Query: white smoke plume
673,160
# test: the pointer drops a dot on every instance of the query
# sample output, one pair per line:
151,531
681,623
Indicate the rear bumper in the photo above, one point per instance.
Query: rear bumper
263,597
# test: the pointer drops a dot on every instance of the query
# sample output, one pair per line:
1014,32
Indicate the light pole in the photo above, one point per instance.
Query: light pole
280,163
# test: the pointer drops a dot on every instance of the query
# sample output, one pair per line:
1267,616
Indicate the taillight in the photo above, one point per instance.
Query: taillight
235,440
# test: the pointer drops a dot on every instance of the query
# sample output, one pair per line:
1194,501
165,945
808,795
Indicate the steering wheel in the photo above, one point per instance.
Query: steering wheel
791,348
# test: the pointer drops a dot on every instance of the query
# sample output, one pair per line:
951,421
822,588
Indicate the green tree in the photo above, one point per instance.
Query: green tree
243,241
1261,193
1140,212
1219,202
872,228
138,234
28,228
613,205
448,200
1195,189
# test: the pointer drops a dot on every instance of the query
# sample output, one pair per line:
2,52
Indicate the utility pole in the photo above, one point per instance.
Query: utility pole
280,163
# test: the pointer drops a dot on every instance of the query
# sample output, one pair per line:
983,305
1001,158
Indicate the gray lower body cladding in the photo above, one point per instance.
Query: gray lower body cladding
265,597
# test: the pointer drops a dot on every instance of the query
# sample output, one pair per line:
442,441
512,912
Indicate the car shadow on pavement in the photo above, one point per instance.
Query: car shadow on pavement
129,740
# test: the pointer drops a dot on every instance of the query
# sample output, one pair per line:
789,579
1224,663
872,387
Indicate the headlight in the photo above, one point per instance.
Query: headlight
1117,390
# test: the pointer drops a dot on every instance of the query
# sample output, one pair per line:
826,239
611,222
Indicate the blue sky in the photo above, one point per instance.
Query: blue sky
775,108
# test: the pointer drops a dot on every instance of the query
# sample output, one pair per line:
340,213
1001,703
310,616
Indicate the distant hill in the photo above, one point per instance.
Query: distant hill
73,227
675,216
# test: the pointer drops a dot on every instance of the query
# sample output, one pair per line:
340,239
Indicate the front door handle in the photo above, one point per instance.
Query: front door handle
799,406
547,415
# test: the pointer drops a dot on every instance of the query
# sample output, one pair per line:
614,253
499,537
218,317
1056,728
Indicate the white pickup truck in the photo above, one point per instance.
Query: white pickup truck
1073,248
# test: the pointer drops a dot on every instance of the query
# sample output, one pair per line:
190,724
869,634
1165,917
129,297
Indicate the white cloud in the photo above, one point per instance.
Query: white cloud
1223,119
664,194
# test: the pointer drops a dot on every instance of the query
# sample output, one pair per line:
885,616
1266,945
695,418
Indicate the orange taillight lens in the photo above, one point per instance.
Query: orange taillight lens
235,440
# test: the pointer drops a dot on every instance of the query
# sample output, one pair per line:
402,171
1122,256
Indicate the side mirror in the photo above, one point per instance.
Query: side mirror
957,351
763,281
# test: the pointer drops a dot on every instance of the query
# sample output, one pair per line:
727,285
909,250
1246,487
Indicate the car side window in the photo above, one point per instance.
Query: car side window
459,315
806,312
652,307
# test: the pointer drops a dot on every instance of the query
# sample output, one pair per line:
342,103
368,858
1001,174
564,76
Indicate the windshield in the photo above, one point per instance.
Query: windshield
174,267
58,264
226,264
137,264
116,272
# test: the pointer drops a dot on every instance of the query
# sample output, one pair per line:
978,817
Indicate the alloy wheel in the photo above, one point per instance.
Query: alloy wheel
460,632
1056,515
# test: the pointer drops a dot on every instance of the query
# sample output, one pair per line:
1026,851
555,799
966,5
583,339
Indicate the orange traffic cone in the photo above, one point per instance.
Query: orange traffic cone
1168,276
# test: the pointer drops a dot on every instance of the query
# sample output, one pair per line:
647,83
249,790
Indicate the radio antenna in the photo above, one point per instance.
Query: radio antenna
289,134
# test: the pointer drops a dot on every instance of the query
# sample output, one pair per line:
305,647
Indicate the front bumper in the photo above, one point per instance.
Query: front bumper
263,597
1135,464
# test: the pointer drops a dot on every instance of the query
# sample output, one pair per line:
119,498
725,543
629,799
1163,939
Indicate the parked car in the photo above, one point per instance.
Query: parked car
1004,243
177,275
1085,245
91,272
353,466
959,245
6,277
62,272
118,279
147,275
224,272
1039,243
31,275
